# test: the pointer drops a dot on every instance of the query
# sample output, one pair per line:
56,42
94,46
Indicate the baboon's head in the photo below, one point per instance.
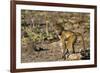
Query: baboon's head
58,29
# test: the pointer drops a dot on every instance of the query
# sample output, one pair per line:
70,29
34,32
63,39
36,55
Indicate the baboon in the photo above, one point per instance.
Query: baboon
68,39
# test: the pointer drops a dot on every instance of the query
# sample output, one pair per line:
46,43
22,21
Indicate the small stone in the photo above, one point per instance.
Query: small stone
74,57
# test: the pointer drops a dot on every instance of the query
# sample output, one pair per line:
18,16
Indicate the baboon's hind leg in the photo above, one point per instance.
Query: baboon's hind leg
65,52
70,44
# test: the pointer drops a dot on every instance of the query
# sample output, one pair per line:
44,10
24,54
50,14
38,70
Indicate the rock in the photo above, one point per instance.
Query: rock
74,57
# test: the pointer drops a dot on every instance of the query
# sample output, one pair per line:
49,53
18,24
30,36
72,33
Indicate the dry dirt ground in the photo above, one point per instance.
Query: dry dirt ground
46,52
50,52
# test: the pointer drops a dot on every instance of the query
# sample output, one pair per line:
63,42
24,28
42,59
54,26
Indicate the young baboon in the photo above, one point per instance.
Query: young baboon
68,39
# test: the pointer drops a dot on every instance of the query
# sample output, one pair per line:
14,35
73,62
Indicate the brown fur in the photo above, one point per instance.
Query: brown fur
68,39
